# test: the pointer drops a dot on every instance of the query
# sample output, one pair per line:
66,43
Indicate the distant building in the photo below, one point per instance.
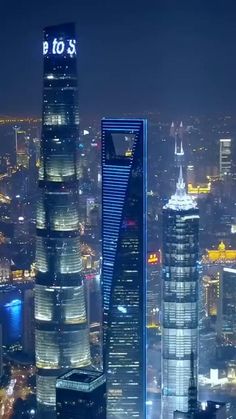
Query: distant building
5,270
22,148
29,324
227,306
207,348
208,410
81,394
211,288
153,289
220,255
90,205
191,175
93,294
213,262
200,189
225,157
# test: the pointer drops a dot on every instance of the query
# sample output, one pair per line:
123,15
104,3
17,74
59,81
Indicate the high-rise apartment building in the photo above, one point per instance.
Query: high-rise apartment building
124,232
180,300
154,272
81,394
225,157
208,410
211,292
22,147
227,304
62,339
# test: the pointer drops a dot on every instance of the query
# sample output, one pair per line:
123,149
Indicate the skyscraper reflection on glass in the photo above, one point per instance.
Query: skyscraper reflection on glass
179,300
124,230
62,340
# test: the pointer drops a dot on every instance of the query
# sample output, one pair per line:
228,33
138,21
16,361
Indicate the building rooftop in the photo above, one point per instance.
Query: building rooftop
82,377
81,380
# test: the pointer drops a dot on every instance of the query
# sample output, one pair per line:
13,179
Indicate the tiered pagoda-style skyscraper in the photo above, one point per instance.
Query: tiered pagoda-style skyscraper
62,339
180,300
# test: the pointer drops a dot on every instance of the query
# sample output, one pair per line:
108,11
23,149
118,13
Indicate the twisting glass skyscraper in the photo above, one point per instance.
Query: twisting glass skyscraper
124,157
61,328
180,300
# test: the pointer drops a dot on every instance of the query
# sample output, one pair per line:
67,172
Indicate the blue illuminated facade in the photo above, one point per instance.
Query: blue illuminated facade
124,159
62,338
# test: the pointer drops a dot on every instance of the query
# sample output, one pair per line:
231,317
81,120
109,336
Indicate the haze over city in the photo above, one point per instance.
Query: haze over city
118,209
166,56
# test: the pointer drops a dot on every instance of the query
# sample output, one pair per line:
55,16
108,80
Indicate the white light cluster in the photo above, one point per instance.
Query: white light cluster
58,47
181,202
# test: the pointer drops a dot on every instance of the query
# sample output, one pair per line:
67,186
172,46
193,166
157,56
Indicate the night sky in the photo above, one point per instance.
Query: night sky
134,55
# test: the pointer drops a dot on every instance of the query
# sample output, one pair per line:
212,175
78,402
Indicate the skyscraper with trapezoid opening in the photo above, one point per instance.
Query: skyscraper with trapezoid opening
124,159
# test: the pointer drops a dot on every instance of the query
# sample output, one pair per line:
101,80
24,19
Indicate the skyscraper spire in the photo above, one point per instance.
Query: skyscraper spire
180,186
181,200
181,149
178,135
172,129
176,150
181,130
179,152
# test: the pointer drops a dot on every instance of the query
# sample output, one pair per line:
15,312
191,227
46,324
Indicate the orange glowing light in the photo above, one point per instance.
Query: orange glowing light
153,258
221,254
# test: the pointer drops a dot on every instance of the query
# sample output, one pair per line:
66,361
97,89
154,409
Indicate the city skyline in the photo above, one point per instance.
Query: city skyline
118,234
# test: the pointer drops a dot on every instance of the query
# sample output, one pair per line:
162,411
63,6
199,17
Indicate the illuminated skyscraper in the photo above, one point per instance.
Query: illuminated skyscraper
211,291
62,340
22,148
124,230
227,306
153,288
225,157
180,300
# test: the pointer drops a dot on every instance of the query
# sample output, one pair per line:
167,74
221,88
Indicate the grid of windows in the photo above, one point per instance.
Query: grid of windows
124,266
179,306
62,339
60,255
69,300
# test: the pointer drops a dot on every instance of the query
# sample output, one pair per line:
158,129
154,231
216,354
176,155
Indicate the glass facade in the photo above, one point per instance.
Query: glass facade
225,157
124,265
179,300
227,312
62,338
